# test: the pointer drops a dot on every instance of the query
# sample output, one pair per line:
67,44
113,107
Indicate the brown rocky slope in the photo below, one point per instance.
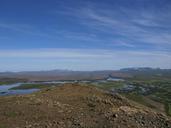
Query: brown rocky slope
75,106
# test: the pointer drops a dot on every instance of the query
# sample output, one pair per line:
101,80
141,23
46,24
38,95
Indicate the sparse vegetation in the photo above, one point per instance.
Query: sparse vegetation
157,91
168,108
3,126
108,85
75,106
6,81
10,114
138,98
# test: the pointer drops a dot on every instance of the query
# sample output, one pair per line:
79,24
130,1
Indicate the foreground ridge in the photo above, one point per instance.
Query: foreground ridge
75,106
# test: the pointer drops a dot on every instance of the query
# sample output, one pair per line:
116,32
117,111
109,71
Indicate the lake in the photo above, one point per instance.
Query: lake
5,90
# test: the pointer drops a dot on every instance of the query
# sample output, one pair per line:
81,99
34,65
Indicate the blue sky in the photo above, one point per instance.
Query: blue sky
84,34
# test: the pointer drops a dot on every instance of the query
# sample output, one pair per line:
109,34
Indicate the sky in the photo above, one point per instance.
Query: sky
84,34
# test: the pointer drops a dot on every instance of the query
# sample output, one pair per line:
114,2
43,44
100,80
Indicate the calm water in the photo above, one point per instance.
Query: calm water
114,79
5,90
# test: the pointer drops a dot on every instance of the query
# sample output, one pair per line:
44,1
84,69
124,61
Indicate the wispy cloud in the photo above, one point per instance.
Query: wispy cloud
79,53
54,53
140,26
112,34
81,59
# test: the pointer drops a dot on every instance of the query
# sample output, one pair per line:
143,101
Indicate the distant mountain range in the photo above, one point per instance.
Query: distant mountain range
88,75
148,72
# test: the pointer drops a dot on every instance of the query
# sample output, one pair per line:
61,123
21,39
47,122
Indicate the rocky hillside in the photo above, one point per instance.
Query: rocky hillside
75,106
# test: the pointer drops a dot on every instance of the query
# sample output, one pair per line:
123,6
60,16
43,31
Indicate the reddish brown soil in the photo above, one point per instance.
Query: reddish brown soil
75,106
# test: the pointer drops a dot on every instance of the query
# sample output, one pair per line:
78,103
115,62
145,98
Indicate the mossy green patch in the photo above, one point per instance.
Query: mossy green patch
109,85
4,83
138,98
3,126
168,109
10,114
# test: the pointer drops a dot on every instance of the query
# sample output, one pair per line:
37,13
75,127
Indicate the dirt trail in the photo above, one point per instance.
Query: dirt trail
75,106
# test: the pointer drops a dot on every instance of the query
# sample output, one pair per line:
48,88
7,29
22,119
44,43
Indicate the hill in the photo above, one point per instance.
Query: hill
75,106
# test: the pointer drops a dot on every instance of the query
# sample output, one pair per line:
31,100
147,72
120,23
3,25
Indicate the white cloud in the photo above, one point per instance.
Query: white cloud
140,26
80,53
80,59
